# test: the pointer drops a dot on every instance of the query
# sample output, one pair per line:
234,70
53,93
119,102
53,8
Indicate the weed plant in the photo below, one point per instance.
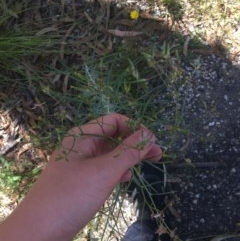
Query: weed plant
8,179
75,86
16,179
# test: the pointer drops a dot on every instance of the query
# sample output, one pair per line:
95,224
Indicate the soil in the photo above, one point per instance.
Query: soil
208,163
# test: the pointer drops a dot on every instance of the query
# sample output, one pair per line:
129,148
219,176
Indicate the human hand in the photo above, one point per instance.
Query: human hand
79,177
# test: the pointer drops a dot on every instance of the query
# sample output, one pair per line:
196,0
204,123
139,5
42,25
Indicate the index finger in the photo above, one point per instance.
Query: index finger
110,125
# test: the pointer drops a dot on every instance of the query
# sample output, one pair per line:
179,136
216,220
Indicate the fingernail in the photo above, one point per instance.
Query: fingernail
146,139
148,135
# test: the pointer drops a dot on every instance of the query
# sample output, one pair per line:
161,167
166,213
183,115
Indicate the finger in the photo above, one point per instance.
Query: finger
134,149
126,176
109,125
98,136
155,154
94,135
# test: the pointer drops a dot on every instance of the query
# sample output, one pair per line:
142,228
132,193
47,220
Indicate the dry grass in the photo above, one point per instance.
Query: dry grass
215,22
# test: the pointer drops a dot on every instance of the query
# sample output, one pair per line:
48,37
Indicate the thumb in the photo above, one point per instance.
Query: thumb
133,150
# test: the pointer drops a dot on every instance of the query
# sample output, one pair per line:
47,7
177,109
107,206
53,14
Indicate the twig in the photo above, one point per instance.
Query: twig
9,146
197,164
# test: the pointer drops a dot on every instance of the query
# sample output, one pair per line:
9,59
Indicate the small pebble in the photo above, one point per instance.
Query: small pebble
195,201
212,123
202,220
197,195
214,186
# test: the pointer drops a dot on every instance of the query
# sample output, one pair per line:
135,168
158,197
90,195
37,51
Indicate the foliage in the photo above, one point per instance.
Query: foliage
8,179
15,179
70,79
175,8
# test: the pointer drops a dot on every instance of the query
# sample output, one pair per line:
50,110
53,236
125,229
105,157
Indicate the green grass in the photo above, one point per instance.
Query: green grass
15,178
9,179
77,82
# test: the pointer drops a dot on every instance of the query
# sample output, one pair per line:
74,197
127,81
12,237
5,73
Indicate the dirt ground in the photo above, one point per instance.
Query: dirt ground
208,186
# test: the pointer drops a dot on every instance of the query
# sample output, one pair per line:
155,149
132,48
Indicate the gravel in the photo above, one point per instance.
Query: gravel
204,180
209,189
6,206
207,167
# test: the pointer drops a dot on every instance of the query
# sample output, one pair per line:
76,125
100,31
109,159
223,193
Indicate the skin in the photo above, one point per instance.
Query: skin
79,177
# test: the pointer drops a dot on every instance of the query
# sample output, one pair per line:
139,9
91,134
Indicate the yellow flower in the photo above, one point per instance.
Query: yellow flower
134,14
